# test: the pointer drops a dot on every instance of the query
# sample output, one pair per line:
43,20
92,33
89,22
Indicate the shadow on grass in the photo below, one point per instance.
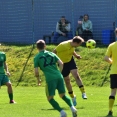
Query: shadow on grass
62,108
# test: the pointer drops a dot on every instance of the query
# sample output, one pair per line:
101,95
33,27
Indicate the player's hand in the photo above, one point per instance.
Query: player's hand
8,73
39,82
78,57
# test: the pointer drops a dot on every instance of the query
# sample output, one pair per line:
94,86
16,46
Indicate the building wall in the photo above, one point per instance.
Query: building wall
24,22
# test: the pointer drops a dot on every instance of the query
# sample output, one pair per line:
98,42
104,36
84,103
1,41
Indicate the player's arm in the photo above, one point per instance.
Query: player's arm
6,69
76,55
60,64
107,57
36,72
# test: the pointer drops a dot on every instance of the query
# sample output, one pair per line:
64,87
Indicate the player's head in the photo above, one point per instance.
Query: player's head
77,41
40,44
116,32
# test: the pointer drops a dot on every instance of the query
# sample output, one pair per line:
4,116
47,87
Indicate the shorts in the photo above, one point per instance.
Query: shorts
113,81
67,67
52,85
4,79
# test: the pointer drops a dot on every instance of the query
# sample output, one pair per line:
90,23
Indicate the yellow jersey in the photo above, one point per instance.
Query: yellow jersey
65,51
112,52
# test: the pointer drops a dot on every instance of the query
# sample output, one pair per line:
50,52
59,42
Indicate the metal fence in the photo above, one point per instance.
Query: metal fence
25,21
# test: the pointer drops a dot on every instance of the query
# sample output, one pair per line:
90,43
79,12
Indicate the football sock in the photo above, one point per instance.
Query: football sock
11,96
82,89
55,105
111,102
71,94
67,100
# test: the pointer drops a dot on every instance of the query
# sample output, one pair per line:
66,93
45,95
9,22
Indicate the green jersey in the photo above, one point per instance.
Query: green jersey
47,62
2,60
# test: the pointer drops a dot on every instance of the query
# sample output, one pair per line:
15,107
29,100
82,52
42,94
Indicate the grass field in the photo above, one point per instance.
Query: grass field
31,102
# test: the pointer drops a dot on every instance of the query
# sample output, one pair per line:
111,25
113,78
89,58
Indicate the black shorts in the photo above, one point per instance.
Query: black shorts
67,67
113,81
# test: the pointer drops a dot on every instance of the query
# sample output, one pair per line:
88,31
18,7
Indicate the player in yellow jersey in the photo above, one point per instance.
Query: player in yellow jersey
111,57
66,51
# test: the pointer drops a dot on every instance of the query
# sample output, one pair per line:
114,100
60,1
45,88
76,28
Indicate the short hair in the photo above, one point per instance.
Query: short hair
78,39
63,17
40,44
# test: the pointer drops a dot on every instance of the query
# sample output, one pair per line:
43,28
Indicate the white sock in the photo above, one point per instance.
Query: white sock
62,112
73,109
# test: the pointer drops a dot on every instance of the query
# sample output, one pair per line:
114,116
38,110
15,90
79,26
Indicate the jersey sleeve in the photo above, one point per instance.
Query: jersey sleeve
56,58
108,52
4,57
59,48
36,64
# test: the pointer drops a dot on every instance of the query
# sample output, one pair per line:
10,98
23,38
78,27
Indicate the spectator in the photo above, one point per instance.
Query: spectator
87,28
79,29
63,28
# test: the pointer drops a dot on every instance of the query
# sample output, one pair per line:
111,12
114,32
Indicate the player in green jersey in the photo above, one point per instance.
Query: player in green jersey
4,80
46,61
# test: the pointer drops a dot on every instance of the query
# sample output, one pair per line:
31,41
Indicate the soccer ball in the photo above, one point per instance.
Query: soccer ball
91,44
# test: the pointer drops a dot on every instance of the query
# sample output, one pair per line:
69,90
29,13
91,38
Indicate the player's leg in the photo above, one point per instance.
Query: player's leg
61,91
7,82
74,72
50,92
65,73
113,86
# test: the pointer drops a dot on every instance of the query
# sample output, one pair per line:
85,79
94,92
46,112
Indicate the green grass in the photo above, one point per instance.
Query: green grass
91,67
31,102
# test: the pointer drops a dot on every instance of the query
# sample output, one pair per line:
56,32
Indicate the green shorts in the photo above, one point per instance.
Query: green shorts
4,79
53,85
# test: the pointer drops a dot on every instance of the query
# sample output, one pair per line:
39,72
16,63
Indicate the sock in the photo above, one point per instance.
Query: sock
82,89
55,105
11,96
111,102
71,94
67,100
73,109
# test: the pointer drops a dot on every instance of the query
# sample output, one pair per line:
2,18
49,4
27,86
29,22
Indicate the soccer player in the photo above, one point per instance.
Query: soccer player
65,51
4,80
46,61
111,57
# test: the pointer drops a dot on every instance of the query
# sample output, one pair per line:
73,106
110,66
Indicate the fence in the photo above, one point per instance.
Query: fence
26,21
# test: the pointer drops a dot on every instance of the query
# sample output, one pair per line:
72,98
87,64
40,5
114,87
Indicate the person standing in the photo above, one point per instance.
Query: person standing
65,51
46,61
4,80
111,58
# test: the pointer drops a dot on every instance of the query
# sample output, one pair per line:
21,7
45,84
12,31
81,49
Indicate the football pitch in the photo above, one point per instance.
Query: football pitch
32,102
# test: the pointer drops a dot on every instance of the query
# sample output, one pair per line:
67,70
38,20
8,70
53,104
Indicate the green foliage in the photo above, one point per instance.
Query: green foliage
91,67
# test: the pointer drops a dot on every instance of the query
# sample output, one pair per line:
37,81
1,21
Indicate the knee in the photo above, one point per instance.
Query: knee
61,95
8,84
67,81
